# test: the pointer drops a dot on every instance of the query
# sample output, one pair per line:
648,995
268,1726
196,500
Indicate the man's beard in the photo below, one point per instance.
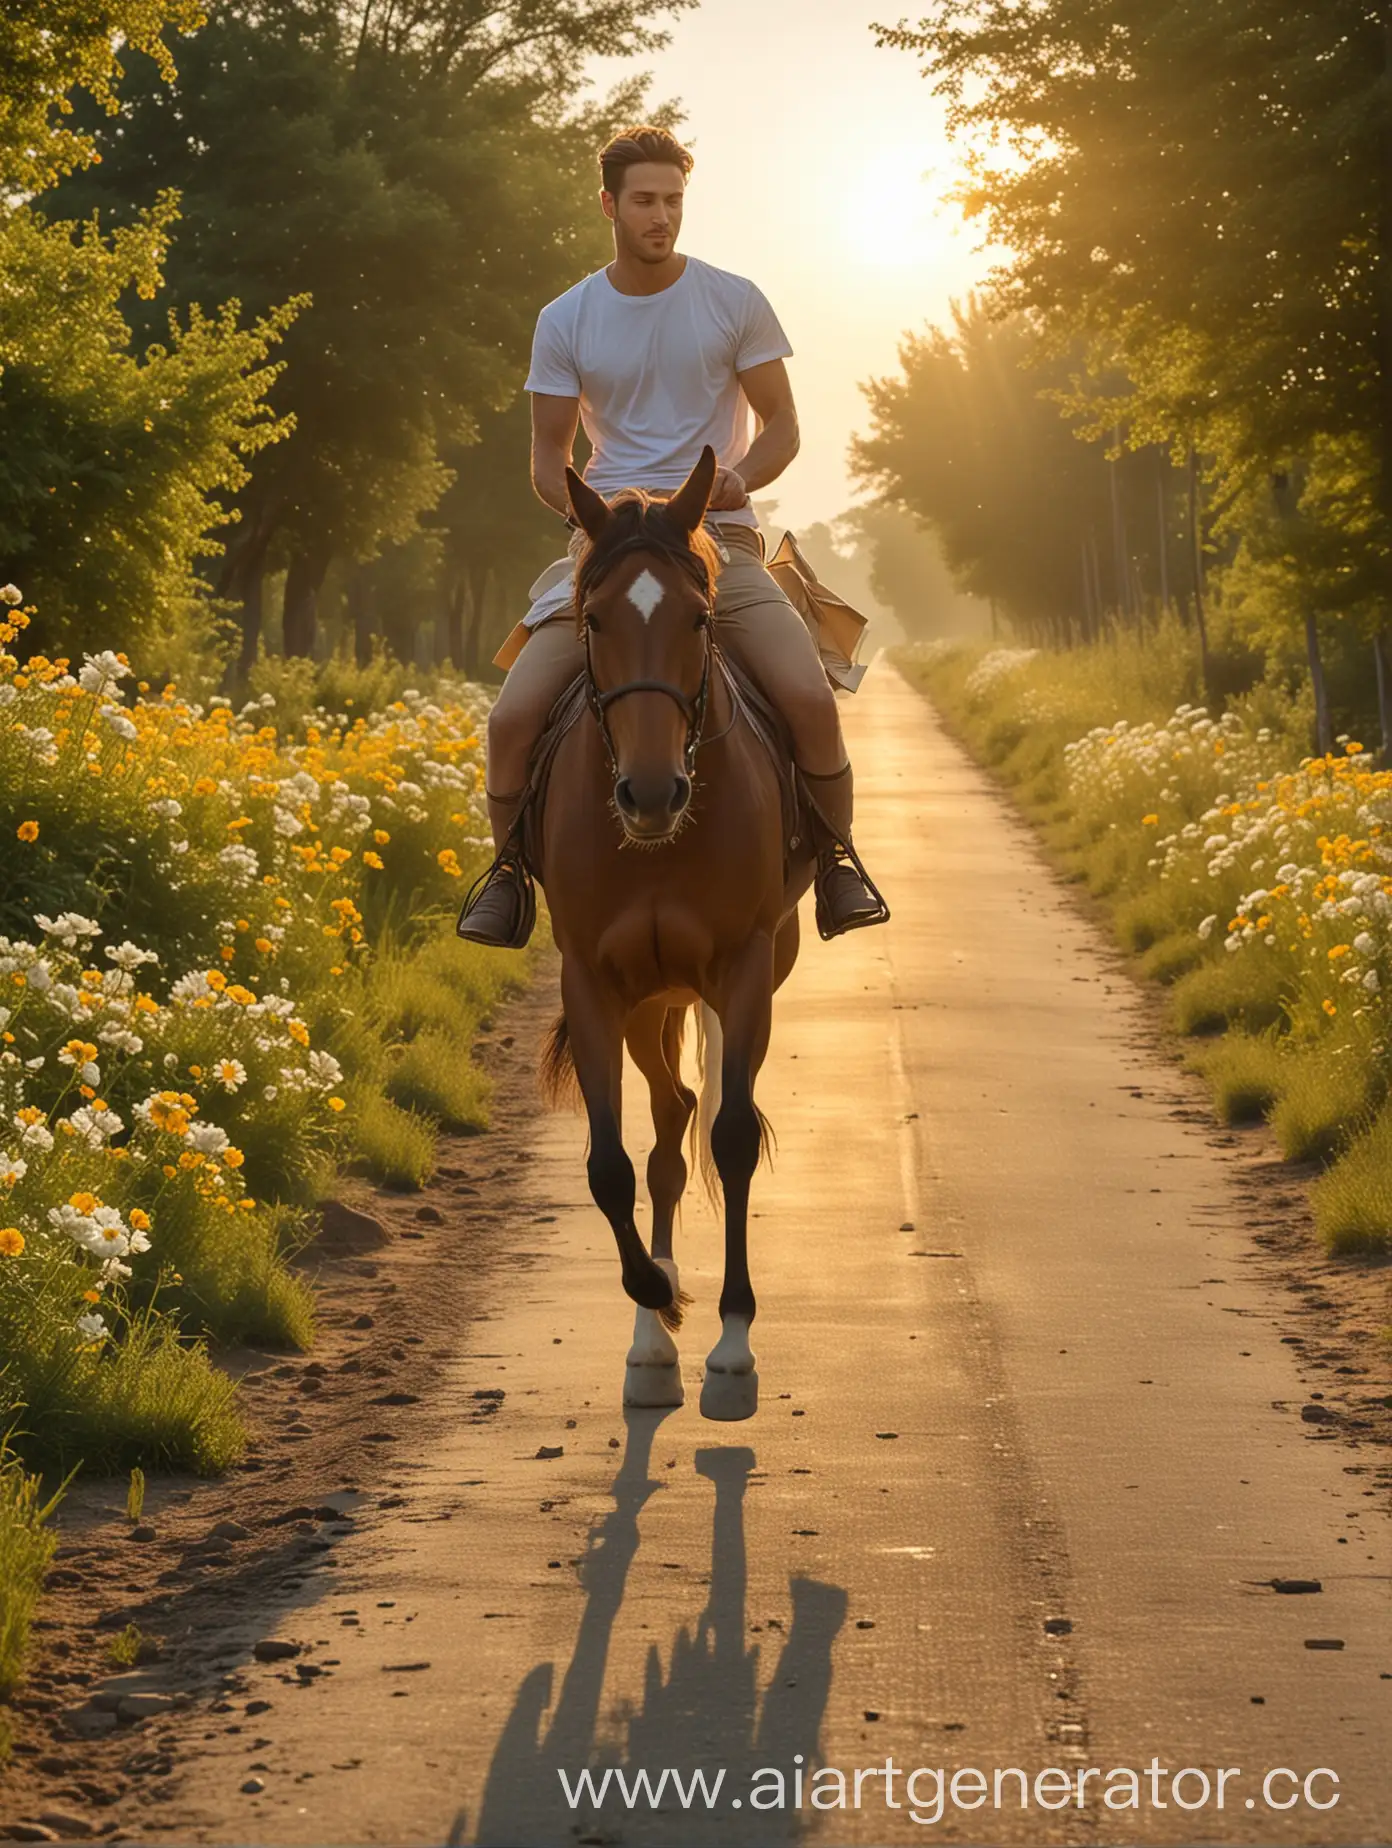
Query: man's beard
639,247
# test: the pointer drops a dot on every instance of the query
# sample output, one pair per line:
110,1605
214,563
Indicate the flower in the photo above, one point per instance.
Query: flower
231,1073
12,1170
92,1327
206,1138
67,928
11,594
11,1241
28,830
336,1104
100,671
374,860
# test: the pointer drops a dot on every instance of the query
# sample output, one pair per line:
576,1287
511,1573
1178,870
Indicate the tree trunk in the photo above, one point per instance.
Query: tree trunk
454,618
1162,537
1118,532
1196,581
1382,658
360,615
1324,737
303,581
478,599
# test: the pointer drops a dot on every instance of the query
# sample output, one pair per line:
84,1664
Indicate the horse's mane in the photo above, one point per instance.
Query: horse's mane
638,522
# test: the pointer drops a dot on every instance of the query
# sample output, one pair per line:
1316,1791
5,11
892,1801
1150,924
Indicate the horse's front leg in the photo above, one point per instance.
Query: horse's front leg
745,1007
595,1027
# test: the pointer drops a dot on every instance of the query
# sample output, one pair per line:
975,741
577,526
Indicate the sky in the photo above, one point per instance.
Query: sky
820,168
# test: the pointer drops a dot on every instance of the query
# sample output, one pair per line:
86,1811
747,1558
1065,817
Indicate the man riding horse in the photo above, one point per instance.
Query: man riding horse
660,355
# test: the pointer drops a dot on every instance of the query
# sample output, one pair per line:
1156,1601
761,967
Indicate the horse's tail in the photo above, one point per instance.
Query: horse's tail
560,1087
710,1045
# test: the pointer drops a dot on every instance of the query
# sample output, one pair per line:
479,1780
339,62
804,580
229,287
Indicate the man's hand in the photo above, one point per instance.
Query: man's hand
728,492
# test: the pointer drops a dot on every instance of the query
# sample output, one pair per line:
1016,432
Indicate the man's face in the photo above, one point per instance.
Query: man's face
647,212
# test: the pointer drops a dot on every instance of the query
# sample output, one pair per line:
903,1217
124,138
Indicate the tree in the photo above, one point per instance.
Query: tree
967,442
415,174
1201,196
114,455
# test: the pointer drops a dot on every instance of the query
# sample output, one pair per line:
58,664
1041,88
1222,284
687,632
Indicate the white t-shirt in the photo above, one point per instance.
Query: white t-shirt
656,374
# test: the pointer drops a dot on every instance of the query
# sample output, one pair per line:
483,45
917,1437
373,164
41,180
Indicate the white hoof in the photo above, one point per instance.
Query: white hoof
652,1374
653,1386
728,1397
731,1387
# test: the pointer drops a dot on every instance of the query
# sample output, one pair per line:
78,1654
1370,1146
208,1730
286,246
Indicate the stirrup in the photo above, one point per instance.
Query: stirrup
510,865
842,853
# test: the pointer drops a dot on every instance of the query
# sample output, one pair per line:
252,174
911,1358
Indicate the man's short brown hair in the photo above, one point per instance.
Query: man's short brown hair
634,145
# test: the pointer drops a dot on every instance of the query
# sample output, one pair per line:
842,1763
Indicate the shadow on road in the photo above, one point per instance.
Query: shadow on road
703,1715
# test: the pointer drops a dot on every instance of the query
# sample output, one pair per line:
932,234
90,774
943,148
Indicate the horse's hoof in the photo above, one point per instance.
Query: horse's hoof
729,1397
651,1386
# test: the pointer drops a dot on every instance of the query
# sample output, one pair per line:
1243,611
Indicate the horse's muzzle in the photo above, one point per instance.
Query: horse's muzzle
650,807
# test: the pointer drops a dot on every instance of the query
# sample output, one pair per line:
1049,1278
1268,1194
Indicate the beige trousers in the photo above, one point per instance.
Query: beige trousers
754,622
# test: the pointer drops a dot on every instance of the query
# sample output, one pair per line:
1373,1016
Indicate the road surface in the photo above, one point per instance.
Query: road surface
1028,1458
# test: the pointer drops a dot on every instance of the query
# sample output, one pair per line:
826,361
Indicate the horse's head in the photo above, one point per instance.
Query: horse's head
643,594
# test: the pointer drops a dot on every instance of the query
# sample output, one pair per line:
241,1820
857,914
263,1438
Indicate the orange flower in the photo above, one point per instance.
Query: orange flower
140,1220
11,1241
27,831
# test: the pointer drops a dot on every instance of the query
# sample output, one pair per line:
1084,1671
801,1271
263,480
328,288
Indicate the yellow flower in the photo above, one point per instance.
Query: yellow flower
1149,821
1340,949
91,1296
27,831
1330,1008
336,1104
205,786
265,945
373,860
84,1202
140,1220
298,1032
242,996
11,1241
196,1071
232,1158
215,978
381,836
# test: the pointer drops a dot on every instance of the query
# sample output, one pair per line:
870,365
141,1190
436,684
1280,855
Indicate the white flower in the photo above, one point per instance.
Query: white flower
79,1227
123,726
168,807
11,594
100,671
92,1327
12,1169
1364,944
1206,928
120,1038
206,1138
95,1126
1371,982
287,824
129,956
34,1136
271,1093
67,928
325,1068
113,1271
231,1073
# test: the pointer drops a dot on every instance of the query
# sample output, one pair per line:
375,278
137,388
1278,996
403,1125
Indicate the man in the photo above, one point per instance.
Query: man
661,354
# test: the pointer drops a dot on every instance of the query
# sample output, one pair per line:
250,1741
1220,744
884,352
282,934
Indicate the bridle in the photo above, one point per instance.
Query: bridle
692,707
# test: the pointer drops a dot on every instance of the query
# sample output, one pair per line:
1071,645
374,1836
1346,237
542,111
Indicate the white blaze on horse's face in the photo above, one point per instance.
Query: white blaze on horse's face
645,593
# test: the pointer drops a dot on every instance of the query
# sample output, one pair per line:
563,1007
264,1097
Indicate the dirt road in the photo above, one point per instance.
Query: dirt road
1029,1457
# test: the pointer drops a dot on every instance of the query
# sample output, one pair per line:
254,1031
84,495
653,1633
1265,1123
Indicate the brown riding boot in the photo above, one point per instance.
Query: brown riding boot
500,908
847,898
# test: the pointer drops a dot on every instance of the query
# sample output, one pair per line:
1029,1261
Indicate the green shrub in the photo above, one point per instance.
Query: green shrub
394,1146
26,1546
1353,1201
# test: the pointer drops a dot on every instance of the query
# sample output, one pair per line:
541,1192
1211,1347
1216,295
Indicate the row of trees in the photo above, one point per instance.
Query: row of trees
1198,205
271,284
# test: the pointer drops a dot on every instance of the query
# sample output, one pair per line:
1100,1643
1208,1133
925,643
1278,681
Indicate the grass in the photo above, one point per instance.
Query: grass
26,1546
395,1146
1353,1201
130,1648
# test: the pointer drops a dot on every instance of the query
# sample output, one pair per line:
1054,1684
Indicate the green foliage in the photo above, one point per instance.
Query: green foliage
131,1647
50,49
434,1074
135,1494
26,1547
394,1146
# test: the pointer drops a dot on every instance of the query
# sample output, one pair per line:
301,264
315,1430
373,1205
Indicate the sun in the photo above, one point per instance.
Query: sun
891,216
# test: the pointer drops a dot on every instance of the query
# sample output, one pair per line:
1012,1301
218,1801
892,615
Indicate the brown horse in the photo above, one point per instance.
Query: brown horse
671,883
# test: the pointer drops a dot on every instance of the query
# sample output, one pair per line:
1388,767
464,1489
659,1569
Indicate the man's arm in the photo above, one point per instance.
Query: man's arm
554,423
770,394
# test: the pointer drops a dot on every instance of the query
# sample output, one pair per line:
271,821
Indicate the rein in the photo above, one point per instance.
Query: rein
692,707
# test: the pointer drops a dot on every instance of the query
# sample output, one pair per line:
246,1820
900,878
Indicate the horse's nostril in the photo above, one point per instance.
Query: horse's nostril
681,794
623,795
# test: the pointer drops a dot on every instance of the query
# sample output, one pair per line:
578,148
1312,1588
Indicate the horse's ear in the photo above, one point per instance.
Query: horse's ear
687,506
590,507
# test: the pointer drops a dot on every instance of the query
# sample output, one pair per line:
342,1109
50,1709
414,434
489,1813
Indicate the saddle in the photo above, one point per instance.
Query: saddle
749,704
